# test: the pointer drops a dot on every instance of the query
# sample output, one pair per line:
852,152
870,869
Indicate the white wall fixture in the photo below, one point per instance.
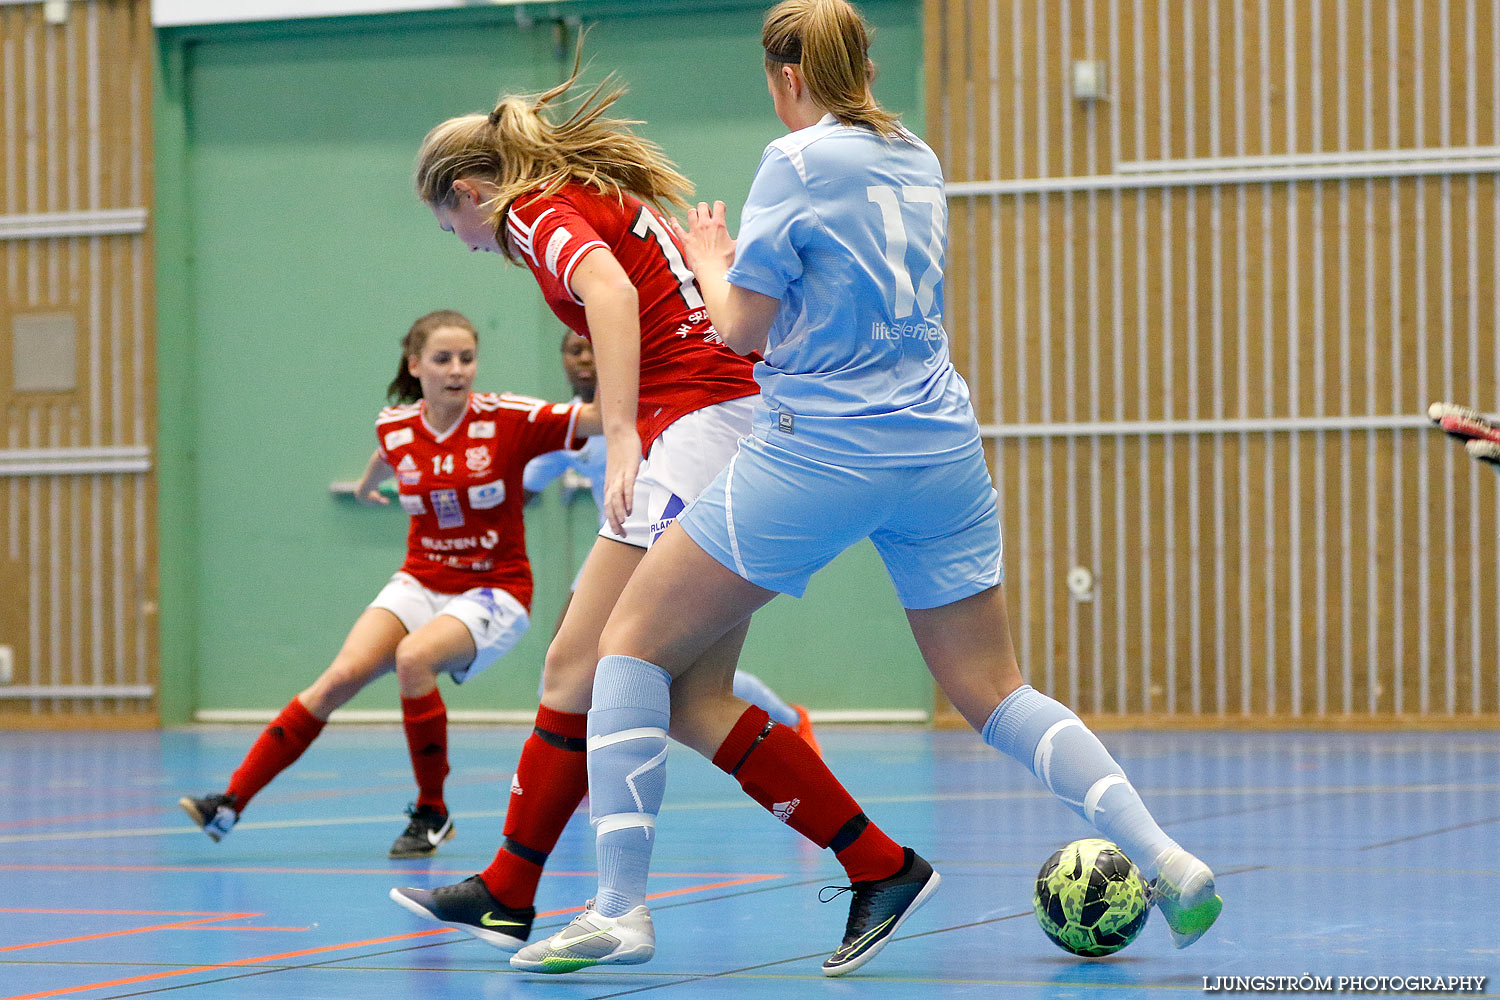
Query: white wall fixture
1081,583
1090,80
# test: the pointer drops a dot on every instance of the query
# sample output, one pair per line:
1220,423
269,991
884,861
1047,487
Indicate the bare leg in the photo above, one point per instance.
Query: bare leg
551,775
444,645
368,652
657,657
568,675
704,705
562,613
677,574
671,644
968,648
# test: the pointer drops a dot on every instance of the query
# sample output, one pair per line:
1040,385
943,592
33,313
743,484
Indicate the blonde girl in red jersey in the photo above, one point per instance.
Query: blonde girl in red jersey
461,599
578,199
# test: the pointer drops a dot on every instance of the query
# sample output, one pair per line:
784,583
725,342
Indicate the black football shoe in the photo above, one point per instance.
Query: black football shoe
428,828
215,814
878,909
468,906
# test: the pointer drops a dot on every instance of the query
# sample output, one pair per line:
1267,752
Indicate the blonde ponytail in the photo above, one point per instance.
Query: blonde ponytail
831,43
520,148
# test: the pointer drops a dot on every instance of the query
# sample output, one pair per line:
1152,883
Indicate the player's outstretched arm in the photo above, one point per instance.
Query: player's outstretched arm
367,490
589,423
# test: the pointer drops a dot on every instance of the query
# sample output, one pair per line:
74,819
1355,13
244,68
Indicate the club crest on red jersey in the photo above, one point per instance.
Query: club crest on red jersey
477,458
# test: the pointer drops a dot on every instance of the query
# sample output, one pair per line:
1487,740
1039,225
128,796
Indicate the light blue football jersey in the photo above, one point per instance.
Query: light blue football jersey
848,229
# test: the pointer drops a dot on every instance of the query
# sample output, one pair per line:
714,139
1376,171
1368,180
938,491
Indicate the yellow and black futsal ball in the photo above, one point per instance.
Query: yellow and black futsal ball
1090,898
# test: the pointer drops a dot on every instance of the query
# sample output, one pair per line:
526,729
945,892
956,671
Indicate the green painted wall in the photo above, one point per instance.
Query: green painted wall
292,257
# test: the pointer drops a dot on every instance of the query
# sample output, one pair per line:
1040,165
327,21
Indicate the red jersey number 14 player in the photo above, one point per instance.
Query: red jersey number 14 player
462,598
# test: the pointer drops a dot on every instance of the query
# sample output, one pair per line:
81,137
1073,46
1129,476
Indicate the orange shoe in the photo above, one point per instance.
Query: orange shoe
805,730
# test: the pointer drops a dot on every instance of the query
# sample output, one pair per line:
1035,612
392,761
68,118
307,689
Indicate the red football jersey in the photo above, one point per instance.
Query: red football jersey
684,363
462,488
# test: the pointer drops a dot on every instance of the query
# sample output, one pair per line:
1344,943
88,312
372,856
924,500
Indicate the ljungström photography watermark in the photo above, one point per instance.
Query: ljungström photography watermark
1344,984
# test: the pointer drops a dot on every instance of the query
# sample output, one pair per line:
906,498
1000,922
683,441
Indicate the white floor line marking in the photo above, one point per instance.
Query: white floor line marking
1147,793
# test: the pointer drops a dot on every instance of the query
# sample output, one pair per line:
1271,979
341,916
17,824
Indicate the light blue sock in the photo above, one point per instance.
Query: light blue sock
1049,739
627,760
757,692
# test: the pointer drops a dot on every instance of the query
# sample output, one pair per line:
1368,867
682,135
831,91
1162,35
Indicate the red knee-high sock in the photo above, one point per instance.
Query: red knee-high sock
551,779
426,722
278,745
781,772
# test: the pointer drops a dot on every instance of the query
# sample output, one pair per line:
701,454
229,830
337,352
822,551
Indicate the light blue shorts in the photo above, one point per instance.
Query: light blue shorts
776,518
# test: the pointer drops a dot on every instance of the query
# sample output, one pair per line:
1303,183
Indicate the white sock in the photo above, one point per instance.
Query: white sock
1057,747
627,749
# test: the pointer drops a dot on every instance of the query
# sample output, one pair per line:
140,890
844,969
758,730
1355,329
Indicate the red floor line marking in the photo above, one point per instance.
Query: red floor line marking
231,870
248,928
744,875
237,963
329,794
132,930
338,947
157,809
747,880
399,872
672,892
392,786
125,913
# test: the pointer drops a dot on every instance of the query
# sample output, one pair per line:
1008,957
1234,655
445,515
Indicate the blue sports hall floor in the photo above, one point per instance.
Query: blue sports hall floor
1338,855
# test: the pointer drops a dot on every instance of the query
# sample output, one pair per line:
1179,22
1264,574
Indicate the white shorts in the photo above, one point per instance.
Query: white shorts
684,460
495,620
776,518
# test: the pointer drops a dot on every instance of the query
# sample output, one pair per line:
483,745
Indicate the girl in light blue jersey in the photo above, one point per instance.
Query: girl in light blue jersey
863,430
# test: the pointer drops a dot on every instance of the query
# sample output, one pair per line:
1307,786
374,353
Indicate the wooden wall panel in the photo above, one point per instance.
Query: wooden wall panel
79,536
1205,380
